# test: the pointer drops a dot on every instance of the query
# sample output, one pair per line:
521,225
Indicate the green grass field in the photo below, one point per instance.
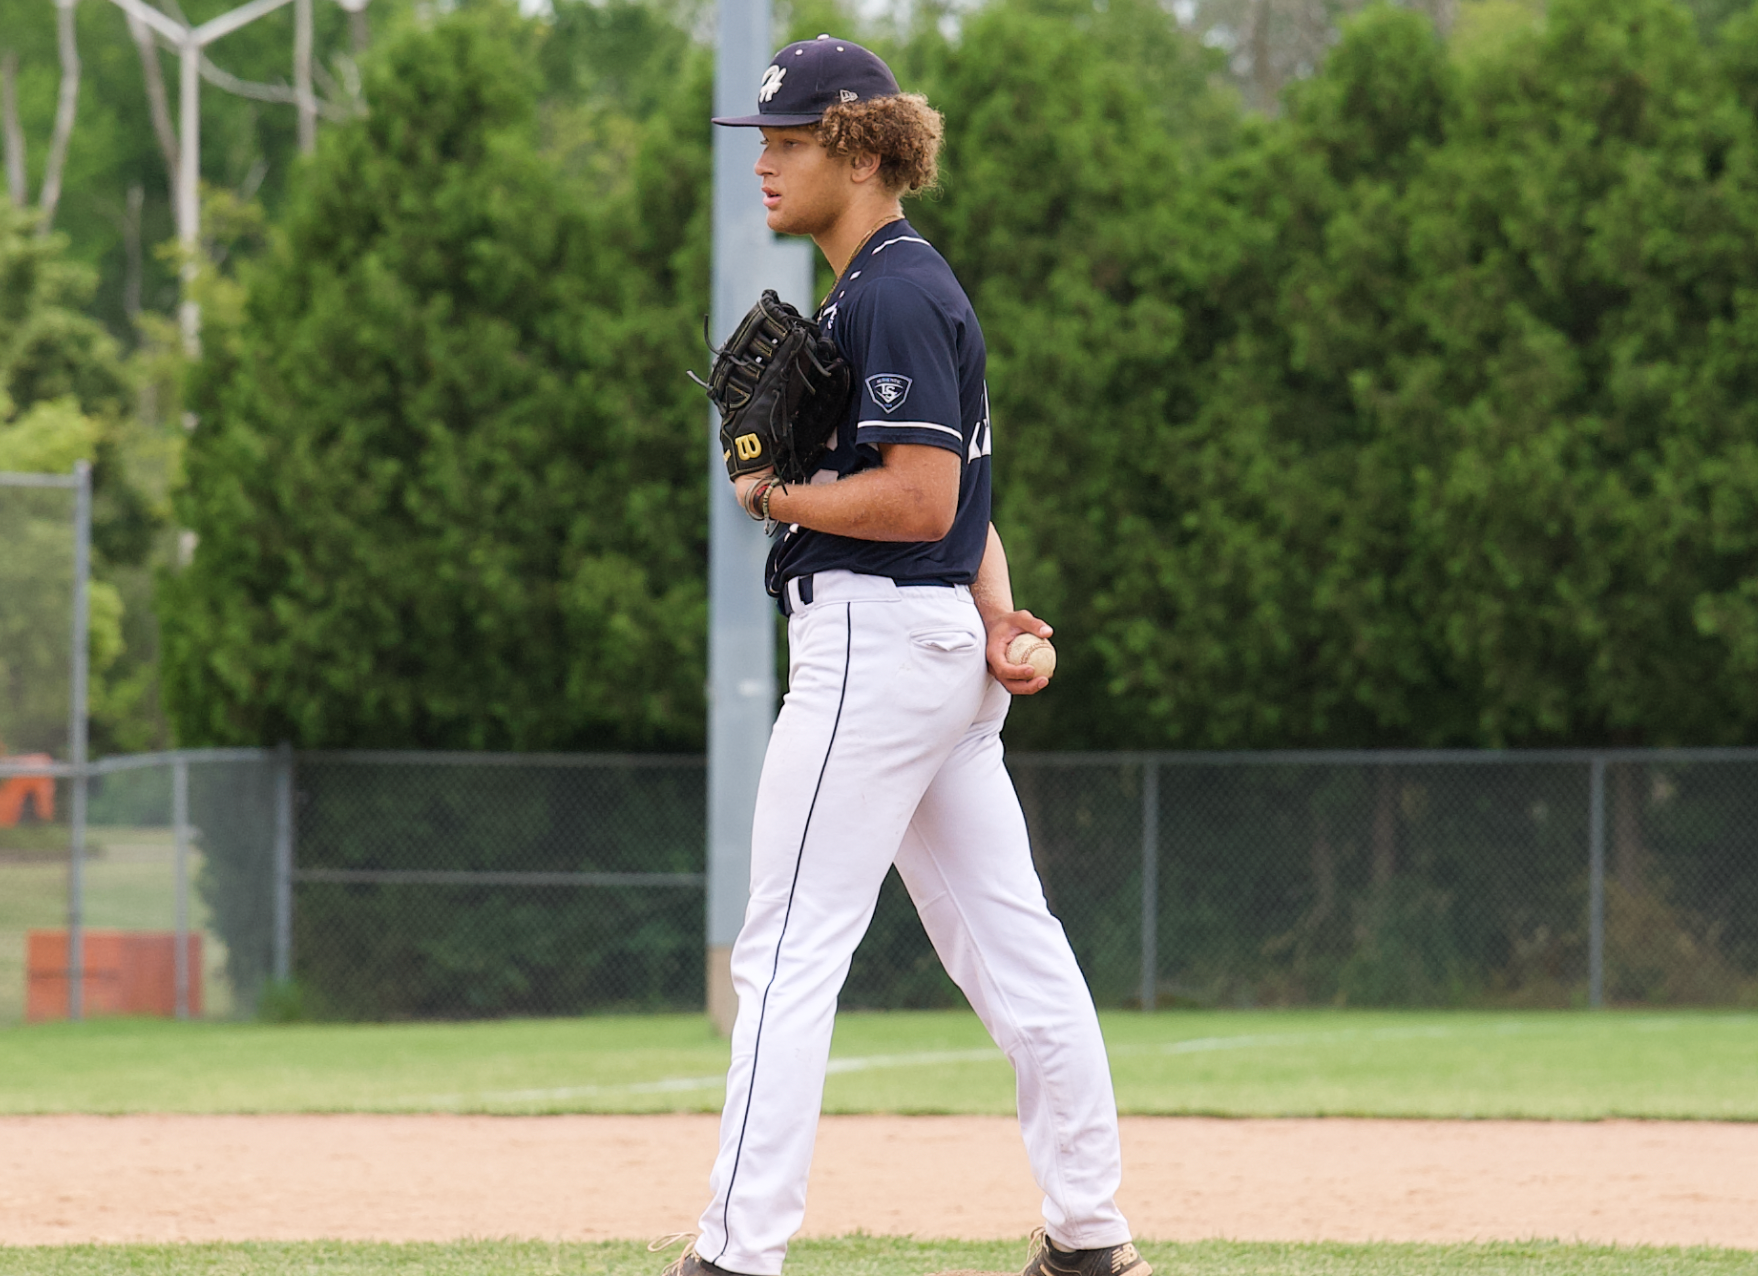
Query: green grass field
863,1256
1236,1063
1240,1063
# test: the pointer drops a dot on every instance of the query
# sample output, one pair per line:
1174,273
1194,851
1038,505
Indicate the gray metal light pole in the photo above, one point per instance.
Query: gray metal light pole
741,617
190,42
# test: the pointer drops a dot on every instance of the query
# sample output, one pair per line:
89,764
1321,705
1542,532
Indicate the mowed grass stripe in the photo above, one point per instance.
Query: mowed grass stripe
864,1256
1538,1065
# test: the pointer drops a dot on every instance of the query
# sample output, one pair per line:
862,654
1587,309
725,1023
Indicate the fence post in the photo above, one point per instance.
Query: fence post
283,966
180,838
1150,881
1596,884
82,556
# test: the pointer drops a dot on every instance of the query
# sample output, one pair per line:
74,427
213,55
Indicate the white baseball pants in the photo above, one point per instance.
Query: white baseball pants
888,750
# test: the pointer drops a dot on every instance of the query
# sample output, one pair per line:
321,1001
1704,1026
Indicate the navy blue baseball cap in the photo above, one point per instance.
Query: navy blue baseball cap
811,76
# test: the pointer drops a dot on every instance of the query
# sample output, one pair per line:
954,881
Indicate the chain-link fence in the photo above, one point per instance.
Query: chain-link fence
409,885
177,887
39,544
1404,879
37,552
480,884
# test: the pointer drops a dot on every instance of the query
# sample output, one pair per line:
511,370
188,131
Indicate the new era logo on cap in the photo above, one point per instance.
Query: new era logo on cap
809,77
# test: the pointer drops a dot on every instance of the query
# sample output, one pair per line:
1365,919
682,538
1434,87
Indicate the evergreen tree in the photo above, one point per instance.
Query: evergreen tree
1469,458
1074,131
448,476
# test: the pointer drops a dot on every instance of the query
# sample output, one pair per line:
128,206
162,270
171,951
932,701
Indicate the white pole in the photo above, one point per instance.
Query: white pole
742,618
82,552
741,622
189,190
302,76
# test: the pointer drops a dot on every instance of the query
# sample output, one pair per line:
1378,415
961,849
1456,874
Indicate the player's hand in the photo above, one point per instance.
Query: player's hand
745,482
1021,680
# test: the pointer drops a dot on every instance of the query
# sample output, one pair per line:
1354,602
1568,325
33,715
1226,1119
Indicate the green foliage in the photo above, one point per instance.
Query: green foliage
447,481
246,143
1415,416
281,1001
1421,415
233,805
1072,133
65,397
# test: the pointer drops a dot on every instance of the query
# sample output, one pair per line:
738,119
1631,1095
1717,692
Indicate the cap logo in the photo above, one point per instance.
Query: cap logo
889,390
847,95
771,82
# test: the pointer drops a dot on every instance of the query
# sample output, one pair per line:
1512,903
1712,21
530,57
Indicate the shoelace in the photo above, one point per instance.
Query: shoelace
672,1238
1039,1244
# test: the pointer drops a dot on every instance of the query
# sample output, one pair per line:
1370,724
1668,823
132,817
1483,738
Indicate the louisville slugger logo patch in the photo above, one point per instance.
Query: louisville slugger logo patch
889,390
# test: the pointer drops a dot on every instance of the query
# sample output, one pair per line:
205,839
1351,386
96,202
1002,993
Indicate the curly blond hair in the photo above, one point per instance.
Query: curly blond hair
903,131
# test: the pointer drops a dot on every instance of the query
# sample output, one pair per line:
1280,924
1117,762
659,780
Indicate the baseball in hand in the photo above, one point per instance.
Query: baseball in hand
1029,649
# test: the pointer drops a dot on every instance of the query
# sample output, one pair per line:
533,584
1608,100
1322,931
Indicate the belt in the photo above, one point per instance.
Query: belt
846,586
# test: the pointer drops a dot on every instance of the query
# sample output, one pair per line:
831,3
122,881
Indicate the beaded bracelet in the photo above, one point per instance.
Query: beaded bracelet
756,499
768,492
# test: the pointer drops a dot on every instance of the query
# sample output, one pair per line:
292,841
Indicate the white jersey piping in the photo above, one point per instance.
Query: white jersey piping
912,425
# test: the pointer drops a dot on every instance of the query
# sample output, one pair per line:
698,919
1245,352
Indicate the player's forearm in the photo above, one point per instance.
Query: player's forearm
992,591
911,496
874,505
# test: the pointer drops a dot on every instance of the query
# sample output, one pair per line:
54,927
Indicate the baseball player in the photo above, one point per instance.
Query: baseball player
887,749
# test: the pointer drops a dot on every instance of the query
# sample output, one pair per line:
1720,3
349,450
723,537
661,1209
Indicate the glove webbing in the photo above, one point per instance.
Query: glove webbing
745,360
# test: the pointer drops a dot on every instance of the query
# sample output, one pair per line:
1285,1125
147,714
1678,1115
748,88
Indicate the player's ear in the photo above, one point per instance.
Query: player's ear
863,168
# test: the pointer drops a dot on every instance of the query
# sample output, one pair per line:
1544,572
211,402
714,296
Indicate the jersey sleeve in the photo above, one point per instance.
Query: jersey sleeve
906,359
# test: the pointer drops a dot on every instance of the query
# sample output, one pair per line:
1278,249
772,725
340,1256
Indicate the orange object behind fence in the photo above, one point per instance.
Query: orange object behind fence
26,796
127,972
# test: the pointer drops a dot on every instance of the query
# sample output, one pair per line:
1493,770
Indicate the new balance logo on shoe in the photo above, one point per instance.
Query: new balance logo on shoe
1049,1259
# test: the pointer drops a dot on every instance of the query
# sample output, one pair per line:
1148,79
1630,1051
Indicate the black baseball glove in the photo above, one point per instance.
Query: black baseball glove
781,388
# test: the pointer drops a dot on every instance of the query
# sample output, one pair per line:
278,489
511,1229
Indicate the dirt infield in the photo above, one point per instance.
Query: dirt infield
156,1178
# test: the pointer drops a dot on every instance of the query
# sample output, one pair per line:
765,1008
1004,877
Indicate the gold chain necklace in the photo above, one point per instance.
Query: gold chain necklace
861,247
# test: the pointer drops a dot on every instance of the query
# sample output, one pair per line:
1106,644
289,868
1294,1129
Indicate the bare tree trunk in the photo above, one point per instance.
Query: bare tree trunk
131,247
1627,853
1385,827
158,105
302,76
65,108
359,33
1263,76
17,182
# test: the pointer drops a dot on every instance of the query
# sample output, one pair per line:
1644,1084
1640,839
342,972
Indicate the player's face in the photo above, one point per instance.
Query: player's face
805,189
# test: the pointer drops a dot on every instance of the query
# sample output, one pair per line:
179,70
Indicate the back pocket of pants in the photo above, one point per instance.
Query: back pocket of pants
949,641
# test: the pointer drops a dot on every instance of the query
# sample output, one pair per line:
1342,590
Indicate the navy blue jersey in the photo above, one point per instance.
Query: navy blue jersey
900,318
